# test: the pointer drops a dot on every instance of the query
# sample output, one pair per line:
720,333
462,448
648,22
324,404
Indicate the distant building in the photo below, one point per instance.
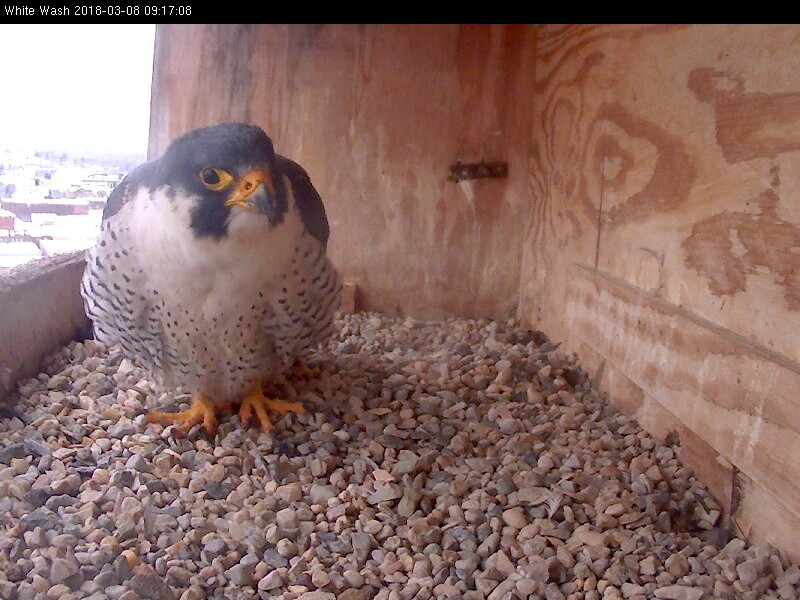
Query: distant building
101,183
57,206
7,219
49,207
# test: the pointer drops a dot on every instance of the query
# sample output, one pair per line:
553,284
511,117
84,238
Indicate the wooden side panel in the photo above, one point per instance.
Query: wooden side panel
690,166
700,171
377,114
762,518
664,242
740,399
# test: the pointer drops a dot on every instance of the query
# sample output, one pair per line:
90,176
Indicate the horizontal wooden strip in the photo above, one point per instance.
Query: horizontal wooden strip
663,305
739,398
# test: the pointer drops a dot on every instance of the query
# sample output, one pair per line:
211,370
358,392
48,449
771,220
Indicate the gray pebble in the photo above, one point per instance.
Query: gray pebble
286,519
241,575
362,545
122,428
271,581
317,596
678,592
273,558
62,568
320,494
287,548
12,451
138,463
150,585
61,501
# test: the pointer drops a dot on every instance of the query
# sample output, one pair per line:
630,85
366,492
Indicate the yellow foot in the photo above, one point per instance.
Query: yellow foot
256,401
202,411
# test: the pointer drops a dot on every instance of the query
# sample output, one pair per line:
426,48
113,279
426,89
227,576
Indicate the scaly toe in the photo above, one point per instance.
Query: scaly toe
255,404
255,401
202,411
284,407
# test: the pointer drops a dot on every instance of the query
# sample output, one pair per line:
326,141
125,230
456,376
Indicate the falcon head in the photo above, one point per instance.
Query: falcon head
223,172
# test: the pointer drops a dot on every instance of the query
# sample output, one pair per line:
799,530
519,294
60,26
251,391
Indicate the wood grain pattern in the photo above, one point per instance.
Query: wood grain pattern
698,171
664,243
689,150
377,114
565,207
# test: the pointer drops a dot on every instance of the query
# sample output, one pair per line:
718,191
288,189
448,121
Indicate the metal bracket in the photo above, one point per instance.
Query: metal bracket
479,170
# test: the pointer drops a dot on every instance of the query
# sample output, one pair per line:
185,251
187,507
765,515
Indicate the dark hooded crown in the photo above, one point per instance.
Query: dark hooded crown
233,147
228,146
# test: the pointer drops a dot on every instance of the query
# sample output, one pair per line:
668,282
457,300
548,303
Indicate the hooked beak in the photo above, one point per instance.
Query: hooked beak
253,190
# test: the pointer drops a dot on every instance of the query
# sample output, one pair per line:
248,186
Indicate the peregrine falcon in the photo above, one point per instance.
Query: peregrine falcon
210,269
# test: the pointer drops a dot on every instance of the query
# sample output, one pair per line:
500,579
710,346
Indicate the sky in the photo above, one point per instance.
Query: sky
76,87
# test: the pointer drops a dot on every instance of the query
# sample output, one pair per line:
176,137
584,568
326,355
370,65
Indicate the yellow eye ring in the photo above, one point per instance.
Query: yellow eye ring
215,179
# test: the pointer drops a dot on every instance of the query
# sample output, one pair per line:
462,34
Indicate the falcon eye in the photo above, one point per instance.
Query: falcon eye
215,179
210,177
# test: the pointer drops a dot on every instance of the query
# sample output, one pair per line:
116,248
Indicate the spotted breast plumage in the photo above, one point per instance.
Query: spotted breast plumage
211,270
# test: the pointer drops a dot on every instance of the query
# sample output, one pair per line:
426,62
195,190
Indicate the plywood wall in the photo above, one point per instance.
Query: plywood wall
665,243
377,114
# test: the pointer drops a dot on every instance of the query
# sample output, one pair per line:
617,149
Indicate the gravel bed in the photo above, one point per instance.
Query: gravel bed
457,459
